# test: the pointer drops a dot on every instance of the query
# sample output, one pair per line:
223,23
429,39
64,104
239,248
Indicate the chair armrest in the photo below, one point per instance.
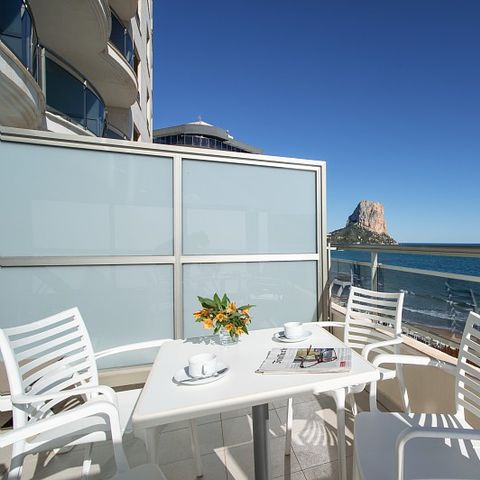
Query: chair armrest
131,347
427,432
330,324
412,360
57,420
400,359
65,394
385,343
5,403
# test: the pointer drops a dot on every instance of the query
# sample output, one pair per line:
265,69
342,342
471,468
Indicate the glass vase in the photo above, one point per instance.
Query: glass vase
225,338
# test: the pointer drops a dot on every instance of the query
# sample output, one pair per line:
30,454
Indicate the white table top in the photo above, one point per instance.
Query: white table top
163,401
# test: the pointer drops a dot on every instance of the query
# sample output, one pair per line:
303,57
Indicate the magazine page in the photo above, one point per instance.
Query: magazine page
307,360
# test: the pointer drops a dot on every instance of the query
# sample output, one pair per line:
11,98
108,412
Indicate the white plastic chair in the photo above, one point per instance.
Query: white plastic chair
373,323
52,361
33,429
401,446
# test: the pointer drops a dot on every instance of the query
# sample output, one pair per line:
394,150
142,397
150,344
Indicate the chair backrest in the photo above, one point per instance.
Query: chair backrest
46,356
372,317
467,389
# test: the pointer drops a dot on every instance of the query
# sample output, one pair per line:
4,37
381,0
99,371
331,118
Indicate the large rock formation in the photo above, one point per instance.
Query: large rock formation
366,225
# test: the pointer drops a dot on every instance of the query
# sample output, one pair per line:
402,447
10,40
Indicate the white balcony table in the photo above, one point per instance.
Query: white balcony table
163,401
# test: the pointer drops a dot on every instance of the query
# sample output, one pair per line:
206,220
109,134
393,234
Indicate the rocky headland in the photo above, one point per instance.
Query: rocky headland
366,225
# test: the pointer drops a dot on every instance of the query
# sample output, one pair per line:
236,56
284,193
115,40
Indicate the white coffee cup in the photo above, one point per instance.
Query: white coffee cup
293,329
202,365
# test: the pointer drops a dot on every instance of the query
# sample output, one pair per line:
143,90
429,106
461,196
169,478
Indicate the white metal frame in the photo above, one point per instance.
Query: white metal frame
177,259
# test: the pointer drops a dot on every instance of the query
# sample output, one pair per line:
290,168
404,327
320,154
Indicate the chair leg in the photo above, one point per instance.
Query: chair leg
339,396
356,471
353,404
16,468
150,439
288,427
16,463
196,448
87,461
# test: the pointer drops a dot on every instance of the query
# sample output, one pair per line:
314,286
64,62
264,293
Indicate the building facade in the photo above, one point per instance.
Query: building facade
201,134
79,67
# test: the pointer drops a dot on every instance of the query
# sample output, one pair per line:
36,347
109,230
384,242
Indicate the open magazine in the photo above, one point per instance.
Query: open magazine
307,360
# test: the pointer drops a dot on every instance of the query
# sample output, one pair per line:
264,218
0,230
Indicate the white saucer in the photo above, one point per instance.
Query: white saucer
184,378
280,336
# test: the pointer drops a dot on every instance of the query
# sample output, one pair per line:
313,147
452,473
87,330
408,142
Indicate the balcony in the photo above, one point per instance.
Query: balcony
122,40
128,233
125,9
21,100
84,43
70,96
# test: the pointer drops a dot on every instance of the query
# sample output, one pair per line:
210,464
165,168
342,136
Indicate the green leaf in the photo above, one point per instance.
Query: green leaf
243,307
218,301
224,301
206,302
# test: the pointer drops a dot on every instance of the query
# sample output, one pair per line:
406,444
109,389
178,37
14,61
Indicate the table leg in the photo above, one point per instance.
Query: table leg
339,396
150,438
261,442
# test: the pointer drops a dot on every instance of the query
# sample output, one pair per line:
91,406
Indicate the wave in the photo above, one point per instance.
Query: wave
431,313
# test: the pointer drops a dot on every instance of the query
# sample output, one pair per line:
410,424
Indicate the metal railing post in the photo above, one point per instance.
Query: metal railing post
374,270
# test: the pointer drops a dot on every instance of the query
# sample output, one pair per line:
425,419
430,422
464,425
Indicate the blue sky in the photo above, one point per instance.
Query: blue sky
387,92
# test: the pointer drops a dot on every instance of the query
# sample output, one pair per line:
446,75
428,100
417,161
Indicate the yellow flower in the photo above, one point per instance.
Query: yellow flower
220,317
231,308
239,330
198,314
247,320
207,324
245,311
229,326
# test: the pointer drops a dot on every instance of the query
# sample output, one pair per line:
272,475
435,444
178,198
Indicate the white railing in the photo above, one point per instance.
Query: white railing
426,333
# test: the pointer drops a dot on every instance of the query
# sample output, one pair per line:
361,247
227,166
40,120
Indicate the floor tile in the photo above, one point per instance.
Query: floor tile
305,397
240,464
293,476
239,430
186,424
240,412
213,468
175,445
327,471
314,436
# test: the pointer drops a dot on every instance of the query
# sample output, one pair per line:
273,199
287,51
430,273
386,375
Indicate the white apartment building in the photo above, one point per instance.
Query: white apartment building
77,66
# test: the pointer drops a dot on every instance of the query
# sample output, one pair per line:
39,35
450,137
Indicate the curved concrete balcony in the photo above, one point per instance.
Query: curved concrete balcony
70,26
125,9
22,103
83,43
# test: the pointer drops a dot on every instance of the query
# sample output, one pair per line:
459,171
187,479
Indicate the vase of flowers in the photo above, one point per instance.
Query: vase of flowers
224,317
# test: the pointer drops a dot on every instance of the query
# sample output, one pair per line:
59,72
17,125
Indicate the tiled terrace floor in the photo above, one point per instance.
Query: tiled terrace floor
226,447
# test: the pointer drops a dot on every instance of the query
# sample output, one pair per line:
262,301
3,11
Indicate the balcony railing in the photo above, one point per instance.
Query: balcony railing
441,283
70,95
17,31
121,38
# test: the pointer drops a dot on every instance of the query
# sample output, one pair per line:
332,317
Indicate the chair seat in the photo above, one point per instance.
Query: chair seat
91,429
375,448
143,472
126,403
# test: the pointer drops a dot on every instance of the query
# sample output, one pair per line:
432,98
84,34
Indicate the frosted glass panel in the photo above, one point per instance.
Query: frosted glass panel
281,291
246,209
63,201
119,304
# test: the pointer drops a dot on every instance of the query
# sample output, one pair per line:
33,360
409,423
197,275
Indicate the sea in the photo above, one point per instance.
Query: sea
438,304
